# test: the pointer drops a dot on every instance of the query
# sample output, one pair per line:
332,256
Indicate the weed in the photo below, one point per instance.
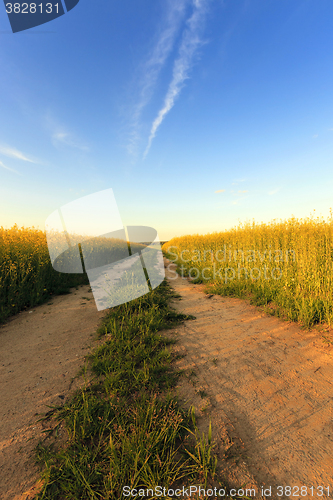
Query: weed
202,454
203,394
205,407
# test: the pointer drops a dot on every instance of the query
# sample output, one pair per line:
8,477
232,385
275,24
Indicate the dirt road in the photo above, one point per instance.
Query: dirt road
269,381
41,350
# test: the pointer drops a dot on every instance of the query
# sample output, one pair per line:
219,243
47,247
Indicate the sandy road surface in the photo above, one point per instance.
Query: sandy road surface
41,350
270,379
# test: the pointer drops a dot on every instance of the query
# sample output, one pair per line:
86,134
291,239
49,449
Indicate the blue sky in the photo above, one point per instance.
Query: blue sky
197,113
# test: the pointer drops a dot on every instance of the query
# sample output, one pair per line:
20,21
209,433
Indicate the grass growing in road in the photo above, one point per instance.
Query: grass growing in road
124,427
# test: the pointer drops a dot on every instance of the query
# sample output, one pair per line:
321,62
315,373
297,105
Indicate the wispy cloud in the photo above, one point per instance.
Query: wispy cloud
220,191
274,191
315,136
64,138
152,67
14,153
190,43
60,134
7,168
237,181
239,195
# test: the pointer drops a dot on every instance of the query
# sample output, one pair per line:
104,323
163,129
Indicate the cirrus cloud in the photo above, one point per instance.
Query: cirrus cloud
191,41
14,153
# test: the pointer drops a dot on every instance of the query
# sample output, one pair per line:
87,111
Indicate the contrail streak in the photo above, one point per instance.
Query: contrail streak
191,41
155,63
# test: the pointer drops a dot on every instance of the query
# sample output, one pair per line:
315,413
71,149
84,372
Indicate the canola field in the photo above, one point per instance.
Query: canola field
27,277
287,264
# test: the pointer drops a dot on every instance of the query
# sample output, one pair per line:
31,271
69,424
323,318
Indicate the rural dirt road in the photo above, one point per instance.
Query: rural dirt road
41,350
266,384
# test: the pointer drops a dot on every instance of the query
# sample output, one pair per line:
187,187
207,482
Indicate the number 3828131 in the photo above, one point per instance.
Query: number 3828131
31,8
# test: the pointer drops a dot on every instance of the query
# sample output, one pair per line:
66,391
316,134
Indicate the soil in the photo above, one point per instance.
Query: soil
265,384
42,350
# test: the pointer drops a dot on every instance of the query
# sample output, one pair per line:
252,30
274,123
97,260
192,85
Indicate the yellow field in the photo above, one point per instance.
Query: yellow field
27,277
26,274
288,263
